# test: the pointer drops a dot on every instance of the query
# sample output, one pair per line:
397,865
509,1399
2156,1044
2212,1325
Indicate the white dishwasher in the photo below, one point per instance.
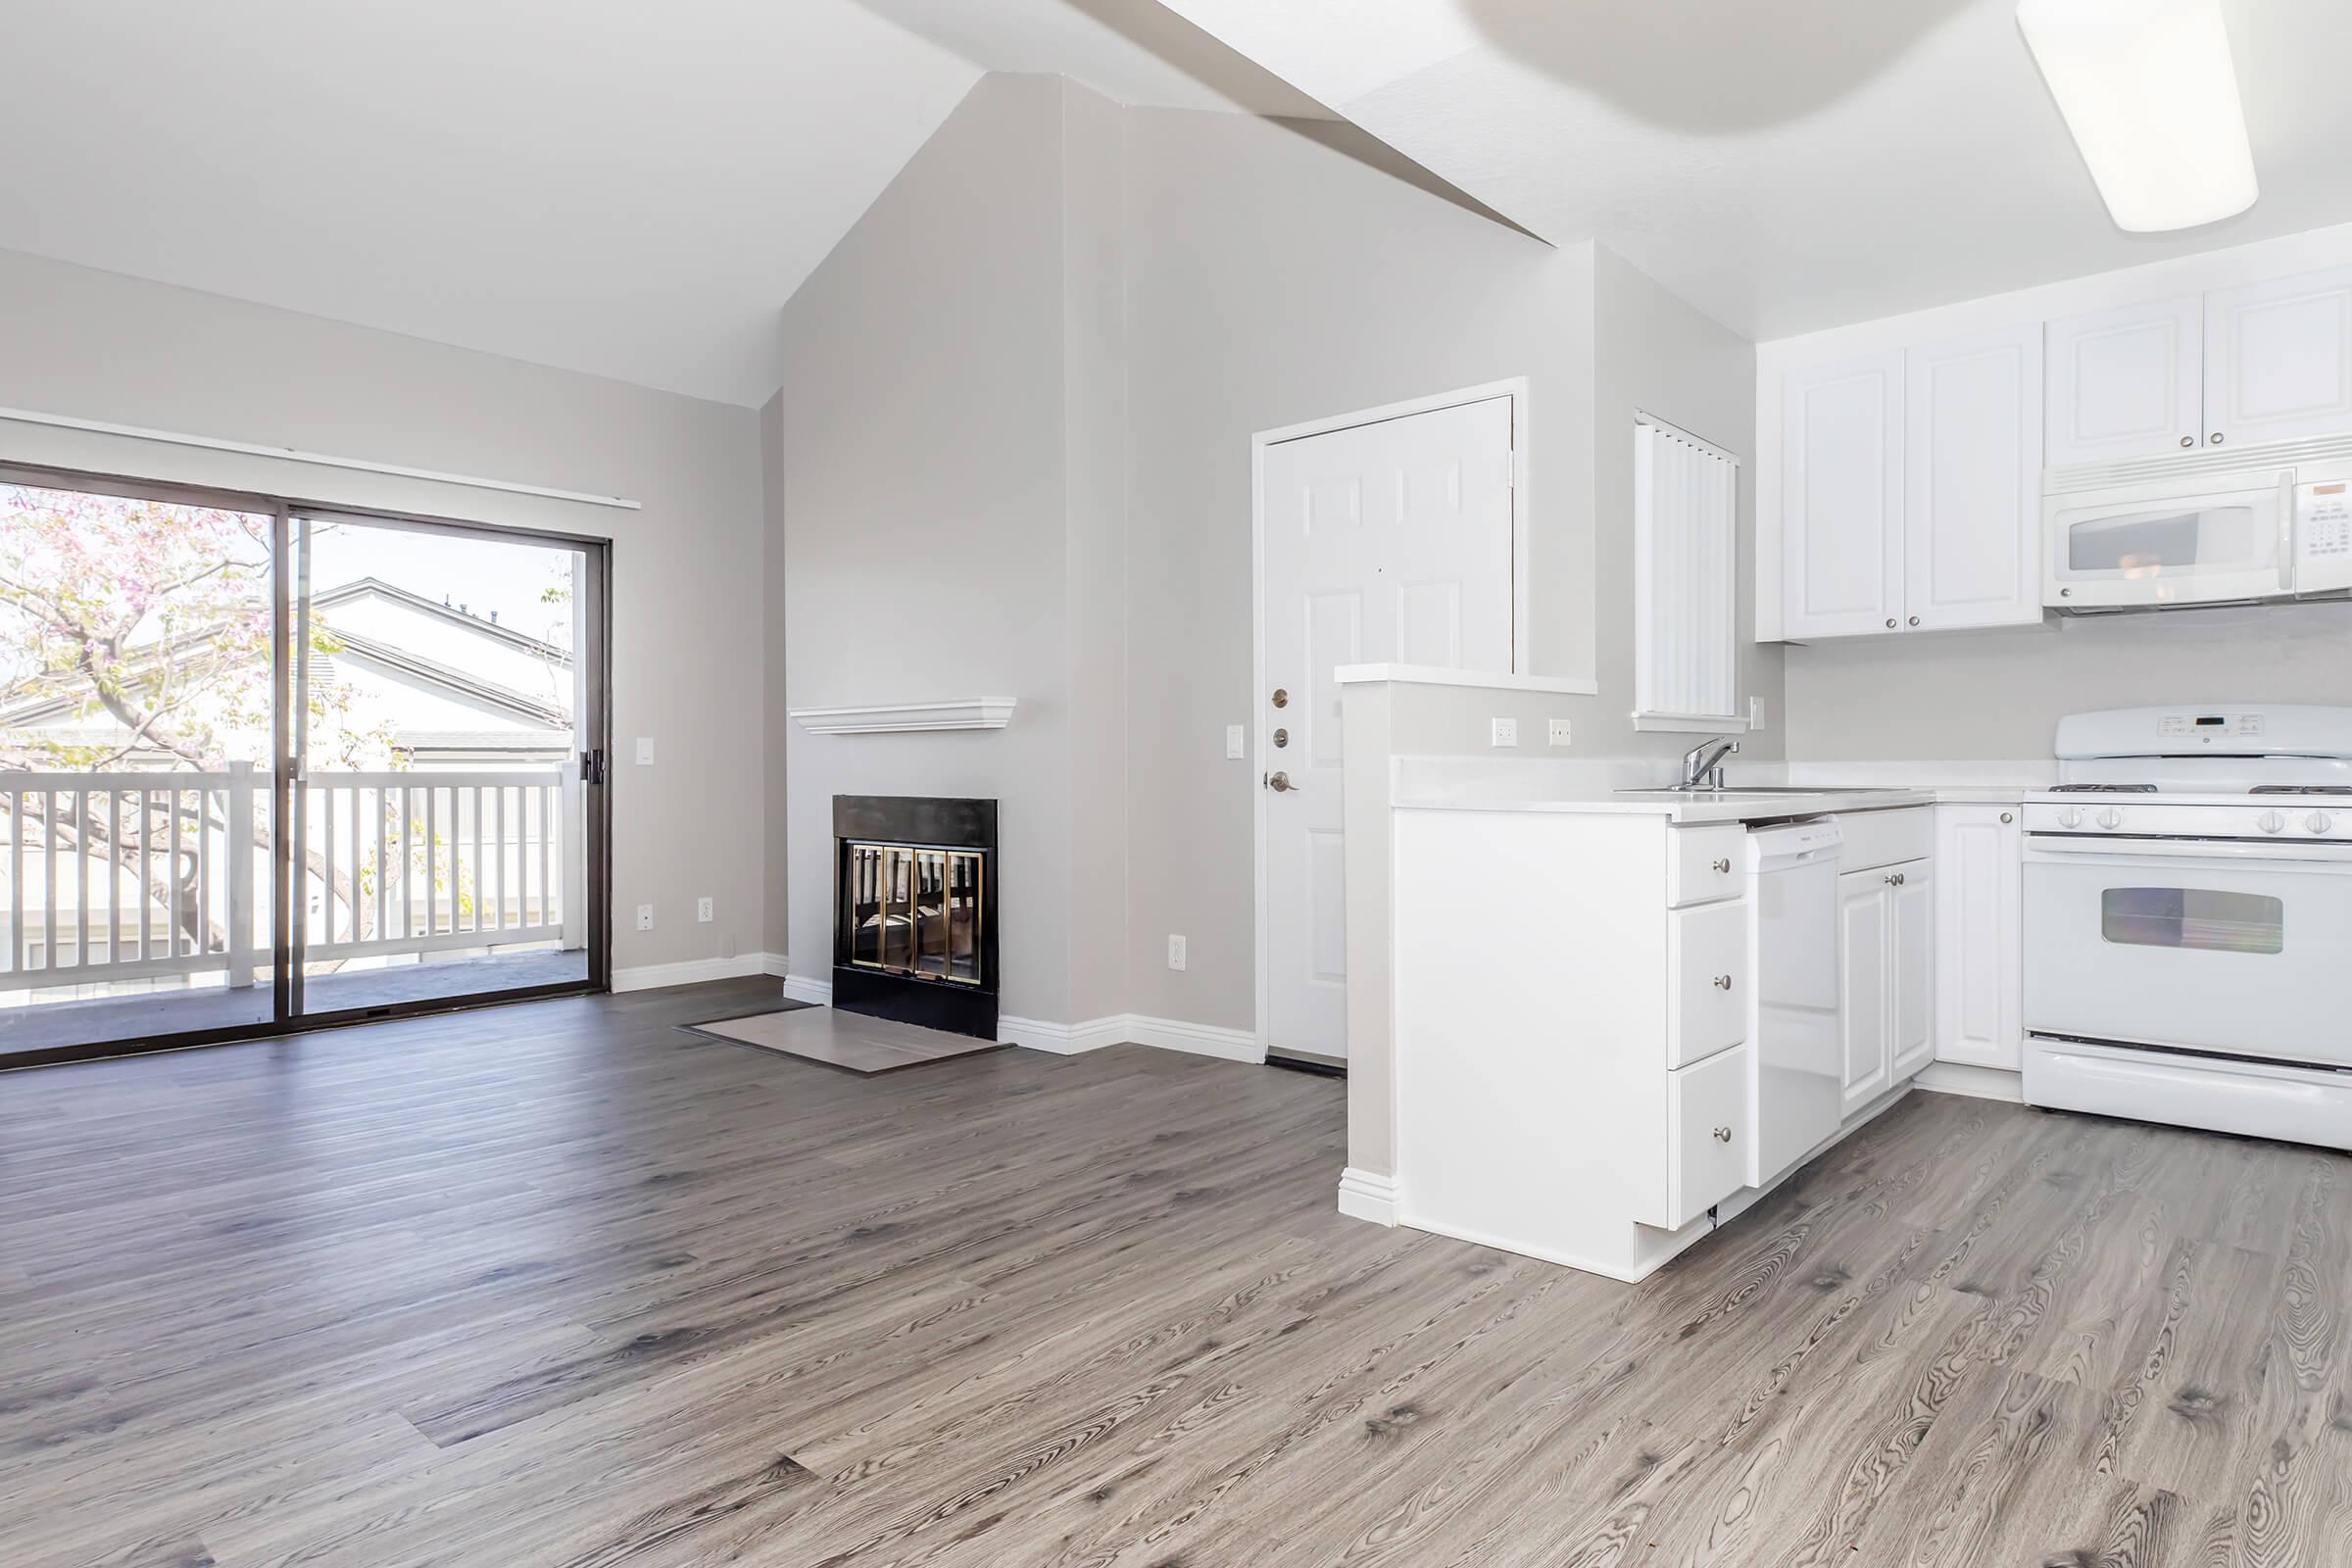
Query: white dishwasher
1795,1060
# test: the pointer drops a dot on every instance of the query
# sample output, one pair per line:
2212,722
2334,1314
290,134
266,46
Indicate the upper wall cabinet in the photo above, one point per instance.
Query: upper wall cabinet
2278,359
1972,497
2271,361
1842,502
2126,383
1910,490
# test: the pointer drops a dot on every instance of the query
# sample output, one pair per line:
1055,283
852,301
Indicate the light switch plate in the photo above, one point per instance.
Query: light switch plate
1237,745
1504,732
645,751
1555,733
1755,713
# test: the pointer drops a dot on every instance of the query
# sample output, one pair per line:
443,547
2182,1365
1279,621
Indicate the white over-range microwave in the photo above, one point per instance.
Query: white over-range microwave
2210,536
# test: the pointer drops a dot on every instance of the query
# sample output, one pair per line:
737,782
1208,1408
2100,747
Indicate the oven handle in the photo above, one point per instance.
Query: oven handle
2055,847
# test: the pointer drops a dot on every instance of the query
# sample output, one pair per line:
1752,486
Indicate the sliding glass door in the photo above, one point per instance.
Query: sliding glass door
263,766
444,683
137,679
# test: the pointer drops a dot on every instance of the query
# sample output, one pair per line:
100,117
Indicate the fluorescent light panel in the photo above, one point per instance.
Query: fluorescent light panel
2148,91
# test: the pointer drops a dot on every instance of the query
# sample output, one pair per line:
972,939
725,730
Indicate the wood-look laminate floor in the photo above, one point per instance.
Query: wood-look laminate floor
557,1285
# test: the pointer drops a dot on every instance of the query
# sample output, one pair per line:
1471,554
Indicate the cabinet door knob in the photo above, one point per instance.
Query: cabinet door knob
1723,982
1723,1135
1891,623
1914,621
1725,866
2188,440
2008,816
2217,438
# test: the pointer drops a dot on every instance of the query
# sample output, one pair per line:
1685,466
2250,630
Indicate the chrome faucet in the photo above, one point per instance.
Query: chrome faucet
1702,765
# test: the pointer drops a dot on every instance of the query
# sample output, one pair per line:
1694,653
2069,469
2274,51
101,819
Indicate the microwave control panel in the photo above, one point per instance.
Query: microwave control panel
2323,531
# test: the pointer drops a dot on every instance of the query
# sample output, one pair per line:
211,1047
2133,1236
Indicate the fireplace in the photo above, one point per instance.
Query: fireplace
914,910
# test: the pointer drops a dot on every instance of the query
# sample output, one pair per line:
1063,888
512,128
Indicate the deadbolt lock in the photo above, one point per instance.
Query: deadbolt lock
1282,737
1282,697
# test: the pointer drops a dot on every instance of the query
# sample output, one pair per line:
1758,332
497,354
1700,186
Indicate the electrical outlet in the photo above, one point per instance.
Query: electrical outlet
1175,953
704,910
1755,713
644,917
1506,732
1555,733
1237,744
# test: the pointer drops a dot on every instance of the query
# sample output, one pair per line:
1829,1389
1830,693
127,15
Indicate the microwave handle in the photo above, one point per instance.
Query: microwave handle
2289,532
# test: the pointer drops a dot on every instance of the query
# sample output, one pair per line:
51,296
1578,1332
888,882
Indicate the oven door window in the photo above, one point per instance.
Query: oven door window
2203,919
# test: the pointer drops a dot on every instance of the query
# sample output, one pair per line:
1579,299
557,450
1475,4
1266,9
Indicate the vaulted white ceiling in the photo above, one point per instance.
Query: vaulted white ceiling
634,191
1790,166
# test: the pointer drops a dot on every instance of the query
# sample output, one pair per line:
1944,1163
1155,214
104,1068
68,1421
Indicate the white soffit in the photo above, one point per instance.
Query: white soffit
607,187
1788,167
1136,52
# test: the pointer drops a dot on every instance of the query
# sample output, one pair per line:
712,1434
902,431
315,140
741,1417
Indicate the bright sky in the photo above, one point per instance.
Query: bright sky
478,574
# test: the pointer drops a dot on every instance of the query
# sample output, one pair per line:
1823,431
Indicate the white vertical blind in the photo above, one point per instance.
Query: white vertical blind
1685,570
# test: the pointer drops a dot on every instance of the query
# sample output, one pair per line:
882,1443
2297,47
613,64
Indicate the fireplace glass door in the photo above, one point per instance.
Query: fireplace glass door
914,910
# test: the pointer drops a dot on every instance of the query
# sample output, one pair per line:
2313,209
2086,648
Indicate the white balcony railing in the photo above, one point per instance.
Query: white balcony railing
129,877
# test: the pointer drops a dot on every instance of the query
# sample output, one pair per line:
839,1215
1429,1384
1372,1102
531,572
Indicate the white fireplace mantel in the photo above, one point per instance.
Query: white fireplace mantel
883,719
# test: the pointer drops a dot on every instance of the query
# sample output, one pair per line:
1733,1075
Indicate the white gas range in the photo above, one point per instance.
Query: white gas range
2189,920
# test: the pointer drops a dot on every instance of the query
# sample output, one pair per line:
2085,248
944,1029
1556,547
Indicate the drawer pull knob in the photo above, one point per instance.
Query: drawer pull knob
1723,982
1725,866
1723,1135
1895,881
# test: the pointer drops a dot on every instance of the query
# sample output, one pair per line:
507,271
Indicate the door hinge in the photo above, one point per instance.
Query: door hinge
592,766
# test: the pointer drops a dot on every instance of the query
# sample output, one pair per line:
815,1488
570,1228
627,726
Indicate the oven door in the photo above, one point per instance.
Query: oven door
2154,546
2241,948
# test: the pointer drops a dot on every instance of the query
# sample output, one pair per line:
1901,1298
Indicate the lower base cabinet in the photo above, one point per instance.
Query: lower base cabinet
1980,946
1886,953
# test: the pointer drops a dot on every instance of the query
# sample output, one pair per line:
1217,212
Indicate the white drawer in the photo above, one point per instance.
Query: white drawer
1708,1123
1706,1000
1886,838
1705,863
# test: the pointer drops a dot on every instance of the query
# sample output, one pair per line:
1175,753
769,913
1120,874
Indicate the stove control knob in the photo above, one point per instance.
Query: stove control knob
2111,818
2071,817
2319,822
2271,822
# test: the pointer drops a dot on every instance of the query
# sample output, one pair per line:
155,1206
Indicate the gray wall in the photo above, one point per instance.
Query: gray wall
1998,694
686,642
776,925
929,508
1278,279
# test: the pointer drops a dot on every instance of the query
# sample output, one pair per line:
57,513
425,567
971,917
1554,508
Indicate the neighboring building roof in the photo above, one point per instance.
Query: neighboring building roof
362,587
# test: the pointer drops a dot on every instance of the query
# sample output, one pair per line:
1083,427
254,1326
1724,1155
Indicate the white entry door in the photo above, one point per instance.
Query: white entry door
1384,543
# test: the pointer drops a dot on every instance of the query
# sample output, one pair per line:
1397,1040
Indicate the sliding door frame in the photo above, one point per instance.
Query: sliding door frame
592,730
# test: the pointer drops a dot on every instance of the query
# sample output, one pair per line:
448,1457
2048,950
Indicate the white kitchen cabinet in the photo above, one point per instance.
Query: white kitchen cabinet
1864,910
1972,502
1885,955
1911,490
1911,945
2126,383
1841,498
1980,911
2278,359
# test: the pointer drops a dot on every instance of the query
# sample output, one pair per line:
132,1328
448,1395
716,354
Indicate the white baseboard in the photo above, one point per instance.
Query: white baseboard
693,972
1368,1195
1131,1029
1978,1083
775,963
800,988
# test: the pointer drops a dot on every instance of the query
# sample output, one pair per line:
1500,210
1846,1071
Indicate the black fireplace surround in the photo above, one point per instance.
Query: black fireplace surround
914,910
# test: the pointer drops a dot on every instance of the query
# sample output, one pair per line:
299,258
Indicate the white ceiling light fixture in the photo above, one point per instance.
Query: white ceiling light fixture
2149,92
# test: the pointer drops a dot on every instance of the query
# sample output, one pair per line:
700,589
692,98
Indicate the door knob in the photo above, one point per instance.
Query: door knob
1280,783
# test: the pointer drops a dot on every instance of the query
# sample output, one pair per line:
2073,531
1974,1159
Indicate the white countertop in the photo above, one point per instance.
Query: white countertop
1729,807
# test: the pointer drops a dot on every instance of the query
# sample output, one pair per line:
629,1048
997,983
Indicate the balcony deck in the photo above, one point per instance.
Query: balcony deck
46,1026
